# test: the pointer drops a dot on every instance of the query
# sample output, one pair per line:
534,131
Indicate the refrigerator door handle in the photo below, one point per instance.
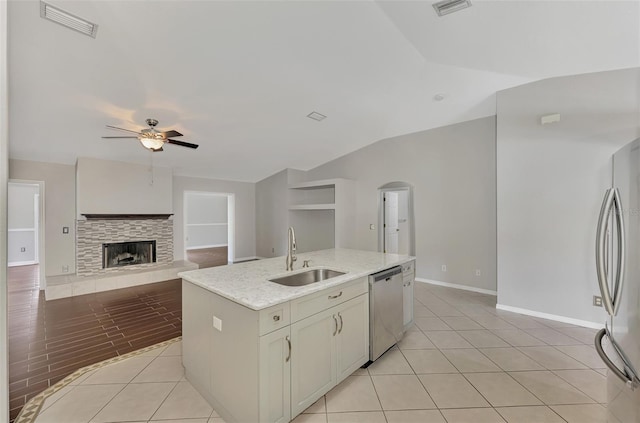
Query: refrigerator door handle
601,246
621,262
627,376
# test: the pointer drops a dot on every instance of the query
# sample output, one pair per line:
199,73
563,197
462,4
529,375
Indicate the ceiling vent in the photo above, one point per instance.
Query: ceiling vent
449,6
316,116
59,16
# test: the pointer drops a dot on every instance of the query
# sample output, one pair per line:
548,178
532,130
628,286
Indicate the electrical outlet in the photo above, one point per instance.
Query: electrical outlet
444,267
22,249
597,301
372,227
217,323
273,250
478,272
65,229
65,269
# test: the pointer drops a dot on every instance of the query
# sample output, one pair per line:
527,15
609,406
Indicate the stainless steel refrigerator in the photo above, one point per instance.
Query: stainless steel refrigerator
618,269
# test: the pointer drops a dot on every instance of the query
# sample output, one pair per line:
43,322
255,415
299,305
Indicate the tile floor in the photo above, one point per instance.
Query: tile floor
464,361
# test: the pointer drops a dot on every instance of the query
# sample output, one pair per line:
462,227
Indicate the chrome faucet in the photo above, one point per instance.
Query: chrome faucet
291,249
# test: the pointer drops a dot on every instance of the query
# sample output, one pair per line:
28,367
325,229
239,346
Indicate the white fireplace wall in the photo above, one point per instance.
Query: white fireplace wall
92,233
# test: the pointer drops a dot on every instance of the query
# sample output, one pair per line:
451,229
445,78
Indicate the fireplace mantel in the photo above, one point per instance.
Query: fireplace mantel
127,216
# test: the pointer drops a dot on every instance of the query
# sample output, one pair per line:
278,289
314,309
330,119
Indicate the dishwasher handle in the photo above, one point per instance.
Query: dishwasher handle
386,274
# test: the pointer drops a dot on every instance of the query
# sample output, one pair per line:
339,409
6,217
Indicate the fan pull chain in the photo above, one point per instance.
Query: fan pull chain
150,168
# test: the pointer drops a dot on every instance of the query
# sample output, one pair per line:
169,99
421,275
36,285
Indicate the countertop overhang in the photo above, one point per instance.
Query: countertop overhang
248,283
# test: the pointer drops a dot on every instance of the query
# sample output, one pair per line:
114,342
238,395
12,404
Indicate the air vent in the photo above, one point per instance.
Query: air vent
59,16
316,116
449,6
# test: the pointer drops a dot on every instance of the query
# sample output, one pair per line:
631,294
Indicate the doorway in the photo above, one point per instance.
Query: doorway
25,225
209,228
395,216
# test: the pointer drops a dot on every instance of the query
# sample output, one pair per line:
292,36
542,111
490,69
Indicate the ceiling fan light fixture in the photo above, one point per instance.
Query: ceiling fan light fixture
151,143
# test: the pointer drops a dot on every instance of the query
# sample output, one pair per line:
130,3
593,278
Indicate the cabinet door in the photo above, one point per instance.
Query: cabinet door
352,342
313,365
275,376
407,302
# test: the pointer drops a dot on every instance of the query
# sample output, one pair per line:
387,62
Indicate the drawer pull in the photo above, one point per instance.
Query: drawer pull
341,323
333,297
336,322
289,343
276,317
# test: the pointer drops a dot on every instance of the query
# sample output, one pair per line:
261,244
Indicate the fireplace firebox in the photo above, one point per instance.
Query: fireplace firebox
118,254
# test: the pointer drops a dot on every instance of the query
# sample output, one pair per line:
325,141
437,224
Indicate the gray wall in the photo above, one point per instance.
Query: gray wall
452,170
60,206
4,177
551,180
21,219
245,218
272,215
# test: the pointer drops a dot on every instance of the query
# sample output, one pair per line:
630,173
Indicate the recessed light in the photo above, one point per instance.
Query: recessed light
64,18
316,116
449,6
438,97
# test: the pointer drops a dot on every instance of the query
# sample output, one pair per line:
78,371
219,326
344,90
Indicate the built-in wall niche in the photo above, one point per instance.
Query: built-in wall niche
323,214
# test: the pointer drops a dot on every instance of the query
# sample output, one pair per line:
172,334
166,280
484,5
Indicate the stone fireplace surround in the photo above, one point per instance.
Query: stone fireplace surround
96,230
93,232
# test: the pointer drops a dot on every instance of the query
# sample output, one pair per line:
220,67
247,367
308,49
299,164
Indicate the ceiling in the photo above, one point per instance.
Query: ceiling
239,77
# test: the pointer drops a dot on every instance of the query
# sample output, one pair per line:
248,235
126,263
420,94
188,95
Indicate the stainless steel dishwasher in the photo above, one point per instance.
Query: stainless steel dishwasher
385,311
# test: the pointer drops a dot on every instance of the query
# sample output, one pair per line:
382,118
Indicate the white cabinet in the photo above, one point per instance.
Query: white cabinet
408,277
313,359
275,376
326,348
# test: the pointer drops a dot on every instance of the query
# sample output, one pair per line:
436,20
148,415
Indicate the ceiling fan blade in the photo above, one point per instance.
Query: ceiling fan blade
121,137
122,129
171,134
183,144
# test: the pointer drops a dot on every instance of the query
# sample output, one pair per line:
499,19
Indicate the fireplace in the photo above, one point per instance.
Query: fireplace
119,254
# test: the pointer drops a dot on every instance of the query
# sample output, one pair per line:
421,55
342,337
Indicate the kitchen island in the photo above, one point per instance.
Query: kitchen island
261,351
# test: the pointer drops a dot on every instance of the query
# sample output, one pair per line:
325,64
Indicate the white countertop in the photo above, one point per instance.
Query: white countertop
248,283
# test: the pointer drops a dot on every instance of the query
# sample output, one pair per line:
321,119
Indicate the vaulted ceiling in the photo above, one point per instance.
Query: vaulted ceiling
239,77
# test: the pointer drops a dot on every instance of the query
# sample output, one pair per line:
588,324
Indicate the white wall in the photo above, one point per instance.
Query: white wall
4,178
452,170
272,208
551,180
245,220
59,181
207,224
110,187
21,214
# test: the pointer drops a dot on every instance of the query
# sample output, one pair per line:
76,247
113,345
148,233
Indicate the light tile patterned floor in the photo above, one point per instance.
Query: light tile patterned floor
464,361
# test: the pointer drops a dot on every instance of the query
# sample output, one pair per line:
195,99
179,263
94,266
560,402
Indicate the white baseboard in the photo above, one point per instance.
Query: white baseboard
21,263
563,319
457,286
241,259
200,247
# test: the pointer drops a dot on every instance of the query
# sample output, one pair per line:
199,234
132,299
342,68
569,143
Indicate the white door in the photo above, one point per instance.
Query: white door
313,363
391,228
352,342
275,377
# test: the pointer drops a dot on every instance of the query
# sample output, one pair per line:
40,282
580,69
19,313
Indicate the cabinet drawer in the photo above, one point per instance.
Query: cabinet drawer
408,267
275,317
315,303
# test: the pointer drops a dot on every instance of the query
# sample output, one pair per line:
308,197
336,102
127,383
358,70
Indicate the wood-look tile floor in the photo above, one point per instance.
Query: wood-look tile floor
208,257
49,340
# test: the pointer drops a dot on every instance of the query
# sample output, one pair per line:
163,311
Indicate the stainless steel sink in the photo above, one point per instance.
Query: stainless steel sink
308,277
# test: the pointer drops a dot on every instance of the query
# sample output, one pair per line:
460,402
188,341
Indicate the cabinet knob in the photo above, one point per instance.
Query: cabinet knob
276,318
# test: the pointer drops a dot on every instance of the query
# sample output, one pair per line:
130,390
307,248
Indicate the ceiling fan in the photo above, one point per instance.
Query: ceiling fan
152,139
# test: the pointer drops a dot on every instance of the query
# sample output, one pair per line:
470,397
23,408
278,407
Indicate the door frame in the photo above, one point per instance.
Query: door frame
40,254
395,187
231,227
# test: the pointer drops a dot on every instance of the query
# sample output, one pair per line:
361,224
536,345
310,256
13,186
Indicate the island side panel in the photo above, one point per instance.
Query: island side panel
197,337
233,356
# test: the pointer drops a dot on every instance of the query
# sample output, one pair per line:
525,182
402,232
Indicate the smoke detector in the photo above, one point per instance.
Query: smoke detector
450,6
64,18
